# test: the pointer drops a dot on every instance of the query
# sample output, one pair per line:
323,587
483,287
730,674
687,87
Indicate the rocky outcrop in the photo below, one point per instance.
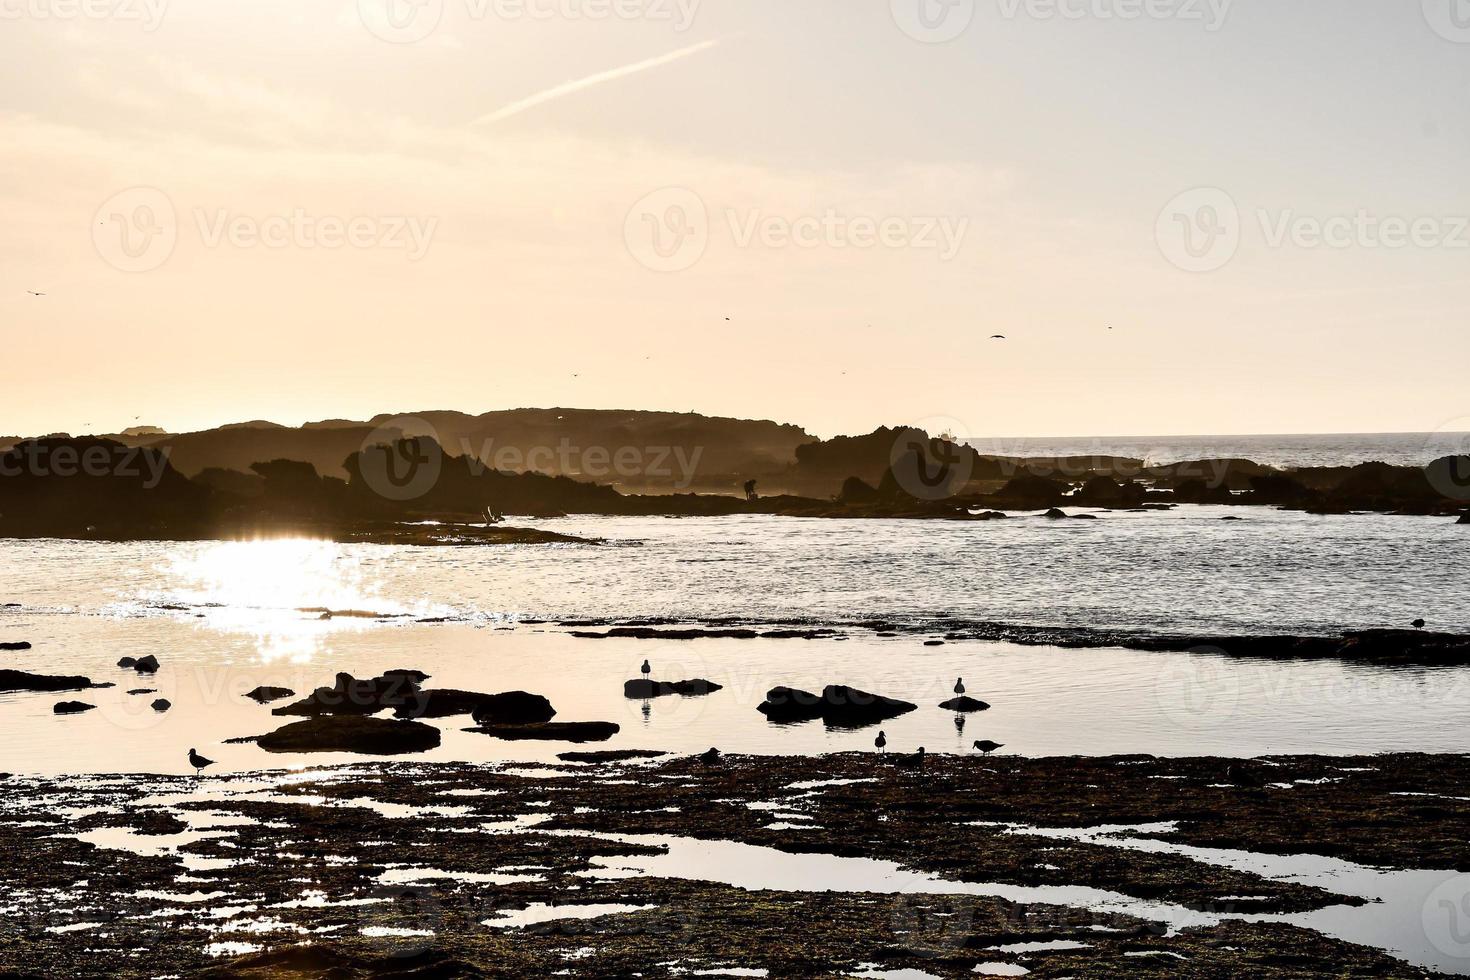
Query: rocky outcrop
71,707
837,706
513,708
965,704
19,680
22,645
348,733
350,695
265,695
556,731
644,688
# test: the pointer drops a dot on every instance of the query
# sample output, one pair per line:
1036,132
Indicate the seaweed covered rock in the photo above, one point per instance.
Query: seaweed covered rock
556,731
349,733
838,706
265,695
350,695
964,703
71,707
19,680
645,688
513,708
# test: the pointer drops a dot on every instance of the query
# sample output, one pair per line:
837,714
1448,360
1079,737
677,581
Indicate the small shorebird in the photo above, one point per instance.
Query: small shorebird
987,746
1418,624
646,669
959,685
881,742
198,761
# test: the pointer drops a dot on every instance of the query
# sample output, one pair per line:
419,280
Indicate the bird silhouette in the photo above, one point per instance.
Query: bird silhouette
959,685
646,669
987,746
34,293
881,742
1418,624
914,761
198,761
997,336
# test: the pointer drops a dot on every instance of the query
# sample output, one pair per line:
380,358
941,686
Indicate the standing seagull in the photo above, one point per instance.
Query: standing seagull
646,669
881,742
987,746
198,761
959,686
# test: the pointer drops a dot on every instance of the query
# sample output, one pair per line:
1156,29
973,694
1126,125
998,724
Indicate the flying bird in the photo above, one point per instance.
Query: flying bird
34,293
198,761
997,336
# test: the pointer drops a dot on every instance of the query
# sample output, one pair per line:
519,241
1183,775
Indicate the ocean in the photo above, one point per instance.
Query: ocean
1284,451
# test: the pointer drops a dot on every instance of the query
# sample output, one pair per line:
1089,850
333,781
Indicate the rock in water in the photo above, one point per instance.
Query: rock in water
557,731
264,695
643,688
965,704
146,665
514,708
350,695
22,645
162,704
839,706
19,680
71,707
1055,514
127,663
349,733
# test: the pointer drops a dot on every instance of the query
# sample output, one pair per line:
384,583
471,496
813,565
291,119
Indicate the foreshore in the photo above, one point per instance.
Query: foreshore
835,865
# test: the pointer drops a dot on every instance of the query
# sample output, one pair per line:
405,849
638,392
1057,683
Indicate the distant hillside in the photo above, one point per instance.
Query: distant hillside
649,452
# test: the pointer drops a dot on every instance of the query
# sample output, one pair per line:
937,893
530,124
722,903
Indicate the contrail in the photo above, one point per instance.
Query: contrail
568,88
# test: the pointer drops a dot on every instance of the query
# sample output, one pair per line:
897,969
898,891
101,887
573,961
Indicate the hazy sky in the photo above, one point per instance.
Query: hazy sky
304,209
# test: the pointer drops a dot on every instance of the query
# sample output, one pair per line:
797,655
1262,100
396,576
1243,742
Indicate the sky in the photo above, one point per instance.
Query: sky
1184,216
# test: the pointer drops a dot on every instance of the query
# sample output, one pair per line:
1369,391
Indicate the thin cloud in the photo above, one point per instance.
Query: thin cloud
582,84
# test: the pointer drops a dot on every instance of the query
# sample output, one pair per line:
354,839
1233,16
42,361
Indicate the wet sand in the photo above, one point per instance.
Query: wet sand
842,865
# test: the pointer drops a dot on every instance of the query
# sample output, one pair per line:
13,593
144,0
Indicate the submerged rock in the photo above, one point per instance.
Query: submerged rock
513,708
609,755
645,688
556,731
144,690
265,695
71,707
350,695
838,706
348,733
964,703
19,680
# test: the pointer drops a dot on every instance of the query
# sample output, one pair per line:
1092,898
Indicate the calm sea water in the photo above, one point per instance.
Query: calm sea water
1399,448
224,617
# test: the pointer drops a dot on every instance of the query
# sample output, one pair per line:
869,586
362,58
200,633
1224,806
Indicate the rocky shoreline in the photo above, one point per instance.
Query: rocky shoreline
400,869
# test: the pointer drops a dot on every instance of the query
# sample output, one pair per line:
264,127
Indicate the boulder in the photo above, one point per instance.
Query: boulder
348,733
556,731
127,663
838,706
350,695
19,680
644,688
71,707
265,695
162,704
513,708
146,665
22,645
1055,514
965,704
